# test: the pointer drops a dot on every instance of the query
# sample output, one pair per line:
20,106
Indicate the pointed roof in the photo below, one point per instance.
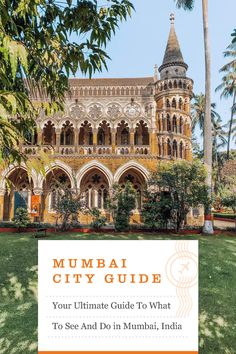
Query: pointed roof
173,54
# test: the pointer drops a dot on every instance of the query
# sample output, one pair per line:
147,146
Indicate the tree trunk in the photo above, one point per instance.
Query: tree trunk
208,224
230,125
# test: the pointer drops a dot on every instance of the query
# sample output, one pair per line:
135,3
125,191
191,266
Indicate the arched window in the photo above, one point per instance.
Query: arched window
167,103
67,134
174,124
123,134
159,148
104,133
169,152
85,134
181,124
141,135
180,84
163,123
101,136
185,105
175,149
168,123
125,137
170,85
180,103
181,150
95,189
49,133
174,103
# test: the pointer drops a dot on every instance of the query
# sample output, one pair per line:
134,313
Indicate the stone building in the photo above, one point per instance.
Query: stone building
112,130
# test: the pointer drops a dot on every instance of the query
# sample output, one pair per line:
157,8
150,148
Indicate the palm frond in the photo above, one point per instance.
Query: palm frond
185,4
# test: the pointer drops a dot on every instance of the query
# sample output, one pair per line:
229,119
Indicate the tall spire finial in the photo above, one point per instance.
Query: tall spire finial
155,73
172,18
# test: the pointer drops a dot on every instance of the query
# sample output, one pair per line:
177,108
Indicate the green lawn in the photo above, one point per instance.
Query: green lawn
18,290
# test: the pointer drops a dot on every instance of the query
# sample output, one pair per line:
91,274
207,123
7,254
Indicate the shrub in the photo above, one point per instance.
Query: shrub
99,221
21,218
120,204
173,190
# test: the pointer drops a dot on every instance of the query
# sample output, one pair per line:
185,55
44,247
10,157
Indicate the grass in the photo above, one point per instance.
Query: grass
18,290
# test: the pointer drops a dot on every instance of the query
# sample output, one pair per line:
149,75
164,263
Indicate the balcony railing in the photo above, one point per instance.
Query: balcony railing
33,149
87,149
66,150
123,150
103,150
142,149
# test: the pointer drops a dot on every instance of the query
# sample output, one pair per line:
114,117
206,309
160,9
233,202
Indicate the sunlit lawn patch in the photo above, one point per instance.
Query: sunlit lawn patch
18,289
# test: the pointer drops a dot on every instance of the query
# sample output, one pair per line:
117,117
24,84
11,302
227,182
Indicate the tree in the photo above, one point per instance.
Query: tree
228,88
179,186
218,136
188,5
68,204
21,218
99,220
43,42
228,194
198,112
156,210
218,158
230,52
67,208
120,203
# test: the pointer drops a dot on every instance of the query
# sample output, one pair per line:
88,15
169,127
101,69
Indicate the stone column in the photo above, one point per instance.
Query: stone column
40,137
39,192
58,135
153,141
132,140
95,140
113,140
188,153
11,204
2,193
165,149
76,137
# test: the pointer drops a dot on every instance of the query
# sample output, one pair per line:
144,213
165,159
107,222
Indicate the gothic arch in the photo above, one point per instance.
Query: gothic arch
131,165
7,172
45,121
64,120
60,165
120,120
94,165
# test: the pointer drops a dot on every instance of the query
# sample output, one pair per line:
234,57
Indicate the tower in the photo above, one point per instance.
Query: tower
173,93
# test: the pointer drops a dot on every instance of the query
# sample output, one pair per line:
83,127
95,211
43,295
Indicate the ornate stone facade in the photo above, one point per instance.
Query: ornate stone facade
111,130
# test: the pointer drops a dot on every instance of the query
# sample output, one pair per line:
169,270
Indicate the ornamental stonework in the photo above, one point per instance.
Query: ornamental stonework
77,111
148,110
95,111
132,110
114,110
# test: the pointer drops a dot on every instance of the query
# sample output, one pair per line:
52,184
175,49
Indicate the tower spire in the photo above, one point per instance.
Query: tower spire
172,18
173,55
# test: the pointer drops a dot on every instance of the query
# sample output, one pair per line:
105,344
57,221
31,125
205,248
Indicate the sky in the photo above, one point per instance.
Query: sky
140,42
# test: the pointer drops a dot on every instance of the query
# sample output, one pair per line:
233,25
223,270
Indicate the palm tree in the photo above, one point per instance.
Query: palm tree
218,157
228,87
198,113
188,5
230,52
